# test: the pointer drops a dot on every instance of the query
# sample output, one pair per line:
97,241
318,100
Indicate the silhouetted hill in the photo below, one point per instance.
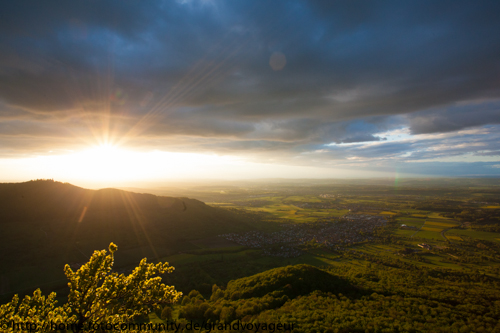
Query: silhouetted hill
47,222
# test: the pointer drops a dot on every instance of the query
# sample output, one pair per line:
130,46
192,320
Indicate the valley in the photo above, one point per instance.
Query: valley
380,244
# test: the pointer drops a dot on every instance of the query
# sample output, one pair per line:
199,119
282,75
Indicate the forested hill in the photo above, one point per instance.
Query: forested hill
380,296
46,200
47,220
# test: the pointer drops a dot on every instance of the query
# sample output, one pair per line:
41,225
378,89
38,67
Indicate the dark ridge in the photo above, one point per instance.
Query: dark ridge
49,223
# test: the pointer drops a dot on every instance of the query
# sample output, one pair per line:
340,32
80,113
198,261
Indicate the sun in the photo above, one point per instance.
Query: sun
107,165
106,162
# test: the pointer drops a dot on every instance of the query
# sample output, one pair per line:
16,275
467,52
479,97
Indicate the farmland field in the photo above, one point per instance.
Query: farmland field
441,224
491,236
429,234
425,228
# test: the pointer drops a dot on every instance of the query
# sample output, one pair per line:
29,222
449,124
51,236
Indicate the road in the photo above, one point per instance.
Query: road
418,229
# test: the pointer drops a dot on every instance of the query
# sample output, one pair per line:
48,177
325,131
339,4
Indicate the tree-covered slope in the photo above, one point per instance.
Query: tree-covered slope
387,296
290,280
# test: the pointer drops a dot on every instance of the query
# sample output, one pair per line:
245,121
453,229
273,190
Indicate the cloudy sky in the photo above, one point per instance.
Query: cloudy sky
248,89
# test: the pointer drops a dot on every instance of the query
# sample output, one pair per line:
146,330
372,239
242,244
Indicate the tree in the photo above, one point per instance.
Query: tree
96,296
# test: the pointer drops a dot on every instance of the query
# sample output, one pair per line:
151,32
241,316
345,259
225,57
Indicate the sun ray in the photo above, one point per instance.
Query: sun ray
136,215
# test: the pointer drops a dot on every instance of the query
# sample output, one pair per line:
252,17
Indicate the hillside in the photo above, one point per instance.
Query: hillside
51,223
291,281
388,296
255,294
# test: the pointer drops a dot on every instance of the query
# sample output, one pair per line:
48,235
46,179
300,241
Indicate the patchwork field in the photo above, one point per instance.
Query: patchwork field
491,236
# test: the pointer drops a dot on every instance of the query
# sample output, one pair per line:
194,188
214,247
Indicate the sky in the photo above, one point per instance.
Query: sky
199,89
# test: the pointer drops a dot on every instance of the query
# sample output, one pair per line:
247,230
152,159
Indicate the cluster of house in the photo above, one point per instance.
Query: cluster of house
408,227
425,246
360,217
334,235
327,196
361,208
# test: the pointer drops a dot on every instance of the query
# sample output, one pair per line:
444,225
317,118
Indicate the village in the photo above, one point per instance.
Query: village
333,233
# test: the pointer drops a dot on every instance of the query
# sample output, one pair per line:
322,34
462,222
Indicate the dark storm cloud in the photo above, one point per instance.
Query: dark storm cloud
201,70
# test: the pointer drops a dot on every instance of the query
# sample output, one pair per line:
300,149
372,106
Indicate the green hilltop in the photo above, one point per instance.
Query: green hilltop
291,281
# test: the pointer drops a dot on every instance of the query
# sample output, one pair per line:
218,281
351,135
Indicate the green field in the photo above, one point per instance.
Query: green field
303,199
426,228
429,235
406,233
491,236
413,222
440,224
438,216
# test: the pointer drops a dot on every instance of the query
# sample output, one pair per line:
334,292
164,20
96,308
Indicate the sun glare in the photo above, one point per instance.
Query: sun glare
108,163
105,162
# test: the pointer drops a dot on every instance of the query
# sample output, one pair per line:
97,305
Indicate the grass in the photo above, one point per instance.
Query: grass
429,235
304,199
438,216
441,224
491,236
406,233
438,260
412,219
414,211
184,258
412,222
434,219
339,212
431,229
388,213
213,242
298,214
